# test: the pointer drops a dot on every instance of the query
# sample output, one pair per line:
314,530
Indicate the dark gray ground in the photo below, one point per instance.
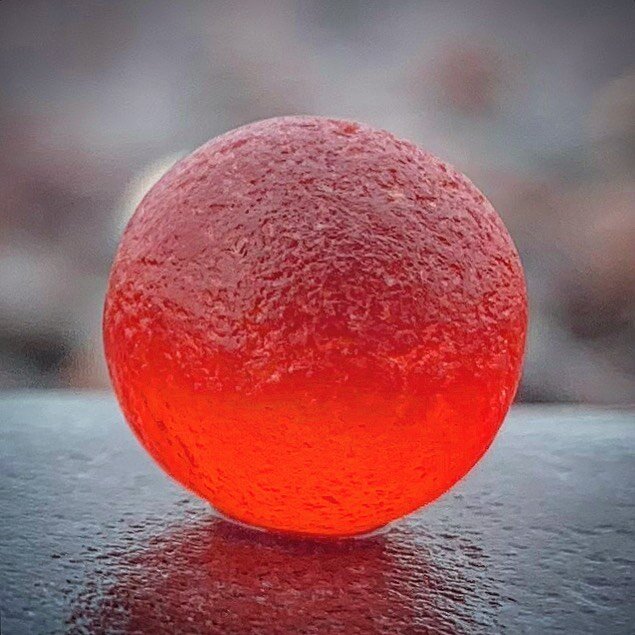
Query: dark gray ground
94,538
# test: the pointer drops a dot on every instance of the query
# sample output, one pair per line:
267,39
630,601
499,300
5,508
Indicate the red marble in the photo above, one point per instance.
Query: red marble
314,325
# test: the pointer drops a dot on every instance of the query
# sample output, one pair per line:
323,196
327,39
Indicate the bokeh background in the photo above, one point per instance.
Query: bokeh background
533,100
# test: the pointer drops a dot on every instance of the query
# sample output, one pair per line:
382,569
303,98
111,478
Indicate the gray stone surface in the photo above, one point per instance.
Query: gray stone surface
94,538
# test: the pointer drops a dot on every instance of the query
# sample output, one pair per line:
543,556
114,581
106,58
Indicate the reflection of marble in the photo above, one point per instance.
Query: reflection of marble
216,577
93,537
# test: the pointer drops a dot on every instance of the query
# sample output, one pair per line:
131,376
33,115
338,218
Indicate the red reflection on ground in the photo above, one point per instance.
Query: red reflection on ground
220,578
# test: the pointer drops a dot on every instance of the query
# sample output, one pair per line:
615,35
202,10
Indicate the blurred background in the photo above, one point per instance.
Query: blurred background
533,100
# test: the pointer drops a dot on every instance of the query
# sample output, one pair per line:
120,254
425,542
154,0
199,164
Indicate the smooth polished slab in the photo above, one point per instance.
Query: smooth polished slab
95,539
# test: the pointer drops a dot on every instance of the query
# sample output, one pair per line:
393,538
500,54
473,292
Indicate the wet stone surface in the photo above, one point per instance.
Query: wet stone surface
94,538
